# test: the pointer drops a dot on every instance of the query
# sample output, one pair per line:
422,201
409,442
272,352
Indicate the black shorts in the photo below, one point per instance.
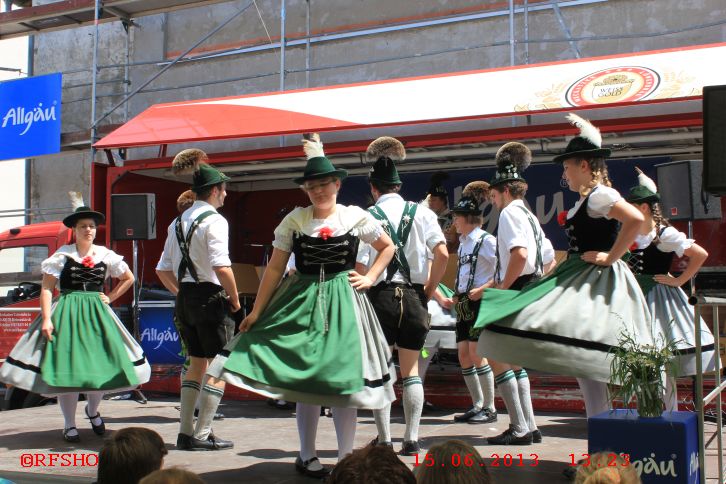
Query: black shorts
466,313
205,324
522,281
403,313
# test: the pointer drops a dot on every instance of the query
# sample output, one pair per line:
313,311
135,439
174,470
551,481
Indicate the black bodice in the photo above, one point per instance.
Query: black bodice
585,233
651,260
336,254
77,277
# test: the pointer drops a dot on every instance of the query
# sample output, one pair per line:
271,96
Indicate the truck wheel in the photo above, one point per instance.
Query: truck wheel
18,398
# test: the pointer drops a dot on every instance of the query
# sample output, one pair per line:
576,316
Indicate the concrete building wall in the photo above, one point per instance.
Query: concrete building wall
619,26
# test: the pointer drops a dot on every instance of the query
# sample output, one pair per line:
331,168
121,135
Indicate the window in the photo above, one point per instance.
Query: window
21,265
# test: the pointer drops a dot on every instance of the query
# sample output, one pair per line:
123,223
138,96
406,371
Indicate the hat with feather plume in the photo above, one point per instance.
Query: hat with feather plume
386,151
318,165
512,159
193,161
81,211
645,191
473,195
587,144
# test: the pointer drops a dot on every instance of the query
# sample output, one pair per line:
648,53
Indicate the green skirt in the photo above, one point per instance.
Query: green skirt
566,323
317,343
91,350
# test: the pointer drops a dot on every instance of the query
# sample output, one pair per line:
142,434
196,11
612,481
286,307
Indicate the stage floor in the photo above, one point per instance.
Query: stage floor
266,443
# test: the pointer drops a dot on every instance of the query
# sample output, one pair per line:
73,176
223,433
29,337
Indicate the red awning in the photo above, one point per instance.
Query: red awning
617,80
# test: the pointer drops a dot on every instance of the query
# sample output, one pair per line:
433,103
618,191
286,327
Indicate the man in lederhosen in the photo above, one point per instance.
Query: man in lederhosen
195,266
400,295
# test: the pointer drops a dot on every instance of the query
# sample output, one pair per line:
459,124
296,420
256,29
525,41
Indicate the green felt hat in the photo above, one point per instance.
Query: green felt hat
467,206
641,194
320,167
207,176
384,171
83,212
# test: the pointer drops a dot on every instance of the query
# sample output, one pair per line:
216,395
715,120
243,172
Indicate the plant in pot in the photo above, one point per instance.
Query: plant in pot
639,372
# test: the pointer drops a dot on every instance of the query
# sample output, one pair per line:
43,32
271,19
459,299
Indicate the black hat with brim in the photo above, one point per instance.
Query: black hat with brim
466,206
581,147
641,194
320,167
505,174
81,213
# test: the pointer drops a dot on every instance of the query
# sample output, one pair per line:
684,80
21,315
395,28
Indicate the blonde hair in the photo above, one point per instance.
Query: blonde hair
607,468
444,456
599,172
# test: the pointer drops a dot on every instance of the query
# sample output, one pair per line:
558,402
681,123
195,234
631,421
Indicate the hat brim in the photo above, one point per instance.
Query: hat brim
222,179
397,181
339,174
465,212
70,221
647,199
499,181
600,152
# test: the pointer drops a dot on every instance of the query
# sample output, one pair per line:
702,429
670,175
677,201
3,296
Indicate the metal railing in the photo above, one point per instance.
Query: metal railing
715,303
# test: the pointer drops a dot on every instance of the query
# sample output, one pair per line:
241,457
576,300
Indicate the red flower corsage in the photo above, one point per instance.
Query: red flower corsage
88,262
562,218
325,233
633,247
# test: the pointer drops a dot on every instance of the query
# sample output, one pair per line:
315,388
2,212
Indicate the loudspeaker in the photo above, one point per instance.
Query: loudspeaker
714,139
133,216
681,192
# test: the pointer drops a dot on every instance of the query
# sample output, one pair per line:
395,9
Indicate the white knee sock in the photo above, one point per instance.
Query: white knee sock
68,403
413,398
507,384
525,398
486,382
472,384
671,395
383,423
307,417
596,397
187,401
209,399
94,400
345,420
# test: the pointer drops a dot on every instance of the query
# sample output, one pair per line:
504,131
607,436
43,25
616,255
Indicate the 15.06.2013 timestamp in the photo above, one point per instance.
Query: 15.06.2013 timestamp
473,460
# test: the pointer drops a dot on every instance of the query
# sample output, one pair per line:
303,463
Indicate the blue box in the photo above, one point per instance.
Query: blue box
662,449
157,333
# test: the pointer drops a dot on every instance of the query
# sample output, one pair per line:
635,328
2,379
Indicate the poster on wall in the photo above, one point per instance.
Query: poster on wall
30,116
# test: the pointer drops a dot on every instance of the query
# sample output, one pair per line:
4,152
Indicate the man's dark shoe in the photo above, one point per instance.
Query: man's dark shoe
536,436
508,438
410,447
464,417
375,442
311,468
217,415
183,442
483,416
212,443
430,407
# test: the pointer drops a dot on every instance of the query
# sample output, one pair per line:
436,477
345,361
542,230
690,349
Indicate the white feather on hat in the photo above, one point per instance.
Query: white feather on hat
587,129
313,147
76,199
645,181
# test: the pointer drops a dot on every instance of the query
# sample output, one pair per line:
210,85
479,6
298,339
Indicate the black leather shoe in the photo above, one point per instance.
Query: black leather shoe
212,443
464,417
536,436
410,447
183,442
483,416
508,438
97,429
430,407
71,438
375,442
217,415
304,468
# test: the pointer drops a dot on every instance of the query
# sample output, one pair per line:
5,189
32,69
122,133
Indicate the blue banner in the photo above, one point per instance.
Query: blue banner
30,117
547,194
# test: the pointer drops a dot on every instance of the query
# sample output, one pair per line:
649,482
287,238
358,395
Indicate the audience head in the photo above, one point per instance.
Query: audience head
372,465
471,469
172,476
129,455
607,468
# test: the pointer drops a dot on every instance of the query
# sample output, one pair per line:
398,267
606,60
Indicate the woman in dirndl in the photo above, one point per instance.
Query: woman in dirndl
315,339
568,322
655,248
78,344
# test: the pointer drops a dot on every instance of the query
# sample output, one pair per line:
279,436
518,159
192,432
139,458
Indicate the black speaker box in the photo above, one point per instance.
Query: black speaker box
714,139
133,216
682,194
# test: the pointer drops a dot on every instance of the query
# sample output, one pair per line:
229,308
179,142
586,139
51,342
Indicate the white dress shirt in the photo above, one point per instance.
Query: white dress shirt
486,259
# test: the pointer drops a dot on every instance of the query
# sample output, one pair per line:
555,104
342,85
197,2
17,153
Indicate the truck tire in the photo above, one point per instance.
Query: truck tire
17,398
